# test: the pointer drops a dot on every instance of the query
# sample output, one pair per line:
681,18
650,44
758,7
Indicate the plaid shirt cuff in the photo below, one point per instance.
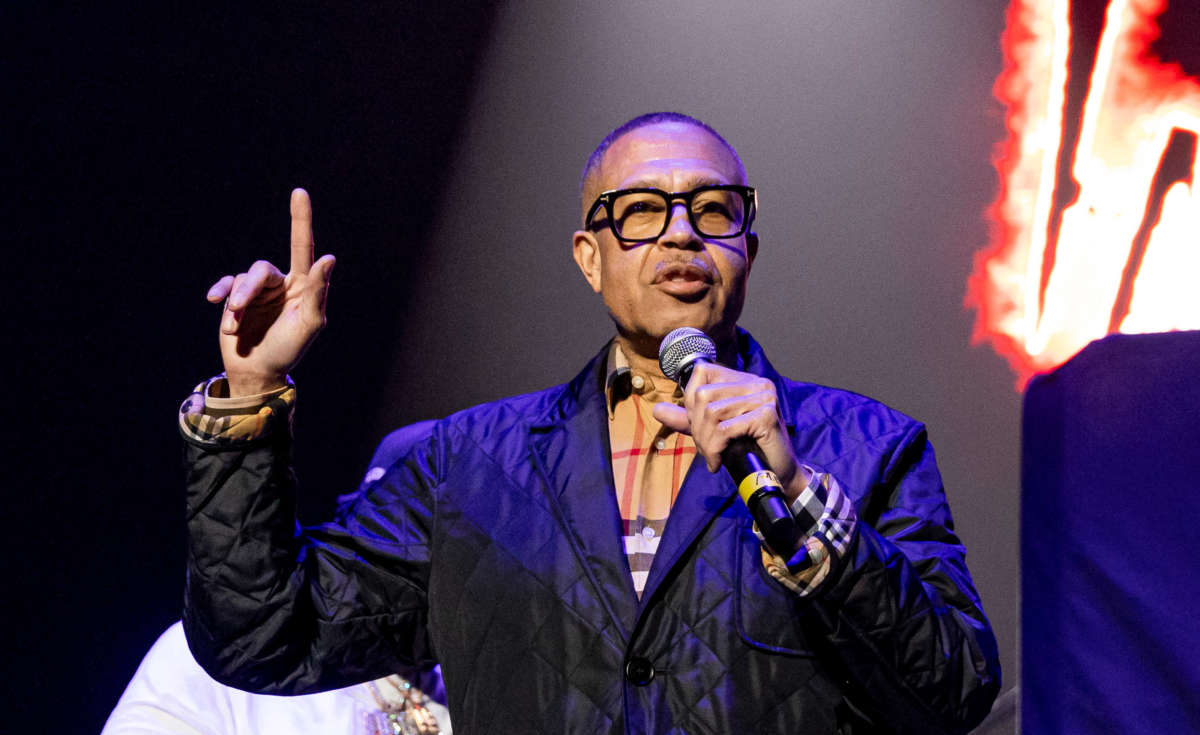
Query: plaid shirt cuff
827,519
207,417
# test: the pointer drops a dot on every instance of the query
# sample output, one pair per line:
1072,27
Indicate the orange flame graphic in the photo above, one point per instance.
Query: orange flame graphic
1096,228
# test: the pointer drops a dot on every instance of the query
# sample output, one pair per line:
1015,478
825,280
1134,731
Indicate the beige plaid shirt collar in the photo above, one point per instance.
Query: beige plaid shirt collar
623,381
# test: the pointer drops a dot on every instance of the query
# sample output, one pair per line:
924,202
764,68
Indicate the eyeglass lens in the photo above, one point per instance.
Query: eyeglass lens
643,215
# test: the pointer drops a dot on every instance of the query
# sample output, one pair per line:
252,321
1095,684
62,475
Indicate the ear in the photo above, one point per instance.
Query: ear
587,257
751,248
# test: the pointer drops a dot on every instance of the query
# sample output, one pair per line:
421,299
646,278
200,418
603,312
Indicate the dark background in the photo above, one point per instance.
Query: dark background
155,146
152,150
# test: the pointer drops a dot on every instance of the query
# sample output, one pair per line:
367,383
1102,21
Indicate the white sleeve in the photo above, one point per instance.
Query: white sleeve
171,695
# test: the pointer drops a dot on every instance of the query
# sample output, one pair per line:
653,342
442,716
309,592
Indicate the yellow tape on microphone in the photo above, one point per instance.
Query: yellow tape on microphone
752,483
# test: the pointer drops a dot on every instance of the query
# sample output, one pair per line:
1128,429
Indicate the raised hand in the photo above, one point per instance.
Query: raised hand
271,318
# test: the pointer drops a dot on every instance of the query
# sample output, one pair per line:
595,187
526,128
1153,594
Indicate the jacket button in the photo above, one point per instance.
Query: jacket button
639,671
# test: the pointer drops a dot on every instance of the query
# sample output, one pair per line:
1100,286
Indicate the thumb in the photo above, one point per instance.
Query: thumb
673,417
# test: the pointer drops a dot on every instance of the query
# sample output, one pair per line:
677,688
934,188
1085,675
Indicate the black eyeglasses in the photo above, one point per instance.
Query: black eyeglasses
637,215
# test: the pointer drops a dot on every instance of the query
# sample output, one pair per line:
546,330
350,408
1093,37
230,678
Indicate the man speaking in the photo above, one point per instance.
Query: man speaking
577,559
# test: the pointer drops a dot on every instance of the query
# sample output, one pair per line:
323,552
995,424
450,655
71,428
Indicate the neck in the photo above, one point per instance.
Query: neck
636,352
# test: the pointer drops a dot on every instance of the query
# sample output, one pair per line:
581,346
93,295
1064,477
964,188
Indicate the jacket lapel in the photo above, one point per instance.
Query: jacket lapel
571,451
705,495
702,497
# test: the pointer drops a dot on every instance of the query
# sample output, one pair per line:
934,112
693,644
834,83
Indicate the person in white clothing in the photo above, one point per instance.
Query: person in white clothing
171,695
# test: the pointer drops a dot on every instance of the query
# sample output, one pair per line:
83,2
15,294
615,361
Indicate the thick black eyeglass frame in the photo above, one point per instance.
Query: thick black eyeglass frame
749,202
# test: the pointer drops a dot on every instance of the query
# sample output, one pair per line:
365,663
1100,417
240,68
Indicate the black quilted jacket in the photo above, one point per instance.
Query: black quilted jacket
493,545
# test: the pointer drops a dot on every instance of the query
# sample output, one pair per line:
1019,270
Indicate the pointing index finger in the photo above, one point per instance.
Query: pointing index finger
302,233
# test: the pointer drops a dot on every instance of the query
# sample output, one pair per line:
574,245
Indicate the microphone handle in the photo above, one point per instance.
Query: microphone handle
762,493
757,485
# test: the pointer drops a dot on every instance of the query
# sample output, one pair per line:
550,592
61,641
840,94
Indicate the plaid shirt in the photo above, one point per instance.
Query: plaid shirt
649,463
209,416
649,460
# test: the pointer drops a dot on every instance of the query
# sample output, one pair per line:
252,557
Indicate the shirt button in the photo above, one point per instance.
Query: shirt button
639,671
648,532
639,382
661,444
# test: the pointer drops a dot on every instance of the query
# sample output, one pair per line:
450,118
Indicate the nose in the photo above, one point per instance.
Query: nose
680,232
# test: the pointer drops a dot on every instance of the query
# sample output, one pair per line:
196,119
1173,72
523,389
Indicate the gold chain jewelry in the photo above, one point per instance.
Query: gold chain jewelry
402,709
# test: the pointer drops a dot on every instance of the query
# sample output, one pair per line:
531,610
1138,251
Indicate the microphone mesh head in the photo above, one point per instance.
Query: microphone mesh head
681,348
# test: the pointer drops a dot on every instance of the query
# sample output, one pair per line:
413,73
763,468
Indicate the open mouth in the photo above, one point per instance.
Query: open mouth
683,279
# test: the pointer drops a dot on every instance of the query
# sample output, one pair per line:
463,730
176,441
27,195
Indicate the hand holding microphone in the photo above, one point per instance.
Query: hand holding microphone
734,420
